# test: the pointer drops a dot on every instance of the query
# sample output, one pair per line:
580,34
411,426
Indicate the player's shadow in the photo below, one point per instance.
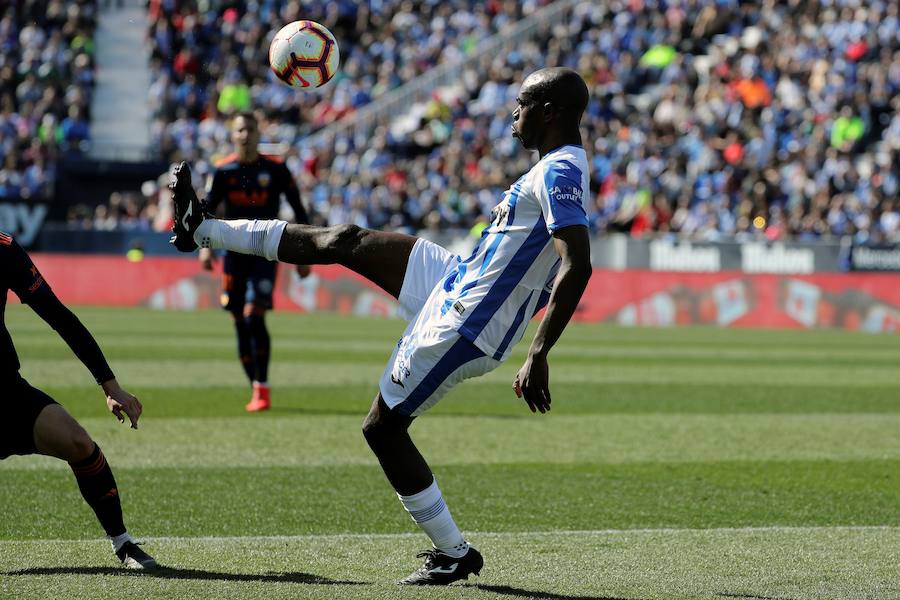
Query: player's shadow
750,596
506,590
194,574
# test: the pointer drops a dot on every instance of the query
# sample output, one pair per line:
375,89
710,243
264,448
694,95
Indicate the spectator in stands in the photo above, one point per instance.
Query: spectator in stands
74,128
709,120
46,79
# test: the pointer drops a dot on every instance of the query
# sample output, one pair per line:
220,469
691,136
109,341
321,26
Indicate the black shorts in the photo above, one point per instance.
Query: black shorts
247,280
18,412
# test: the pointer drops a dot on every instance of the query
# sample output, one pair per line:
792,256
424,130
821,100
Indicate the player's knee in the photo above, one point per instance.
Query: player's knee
343,239
375,431
80,444
369,429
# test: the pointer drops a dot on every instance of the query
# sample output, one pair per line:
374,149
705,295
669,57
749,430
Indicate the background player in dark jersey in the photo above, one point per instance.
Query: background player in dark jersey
249,185
31,422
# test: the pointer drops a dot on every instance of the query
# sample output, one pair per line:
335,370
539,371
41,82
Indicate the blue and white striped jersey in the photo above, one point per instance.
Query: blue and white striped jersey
490,297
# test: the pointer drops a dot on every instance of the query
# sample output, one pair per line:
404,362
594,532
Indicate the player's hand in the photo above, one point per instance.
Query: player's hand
303,271
207,259
119,401
532,383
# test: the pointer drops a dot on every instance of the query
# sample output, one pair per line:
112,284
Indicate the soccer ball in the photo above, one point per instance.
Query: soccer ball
304,54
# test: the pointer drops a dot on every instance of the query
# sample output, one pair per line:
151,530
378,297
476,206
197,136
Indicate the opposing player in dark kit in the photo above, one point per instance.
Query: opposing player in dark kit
466,314
33,423
250,185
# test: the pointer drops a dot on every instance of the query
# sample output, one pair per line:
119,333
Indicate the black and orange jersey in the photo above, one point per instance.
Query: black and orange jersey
253,190
18,273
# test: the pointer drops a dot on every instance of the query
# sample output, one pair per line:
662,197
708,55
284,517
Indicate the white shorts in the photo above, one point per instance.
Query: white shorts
431,357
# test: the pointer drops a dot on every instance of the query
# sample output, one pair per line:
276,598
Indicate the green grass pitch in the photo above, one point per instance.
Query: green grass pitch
676,463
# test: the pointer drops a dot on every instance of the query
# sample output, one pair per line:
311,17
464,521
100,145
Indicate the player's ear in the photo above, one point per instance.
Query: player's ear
548,111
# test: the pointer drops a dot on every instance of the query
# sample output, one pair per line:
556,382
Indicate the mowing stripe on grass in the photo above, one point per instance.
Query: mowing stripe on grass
321,440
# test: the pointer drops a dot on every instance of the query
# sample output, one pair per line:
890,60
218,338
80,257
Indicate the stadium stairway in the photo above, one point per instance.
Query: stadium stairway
120,115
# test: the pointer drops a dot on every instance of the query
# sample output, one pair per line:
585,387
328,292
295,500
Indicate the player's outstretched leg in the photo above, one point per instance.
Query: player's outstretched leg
57,434
451,558
378,256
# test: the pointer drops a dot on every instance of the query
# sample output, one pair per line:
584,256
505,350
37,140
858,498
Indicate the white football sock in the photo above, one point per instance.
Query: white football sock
428,510
260,238
119,541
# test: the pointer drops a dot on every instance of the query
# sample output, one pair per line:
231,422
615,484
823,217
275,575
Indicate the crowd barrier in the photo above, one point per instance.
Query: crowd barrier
855,301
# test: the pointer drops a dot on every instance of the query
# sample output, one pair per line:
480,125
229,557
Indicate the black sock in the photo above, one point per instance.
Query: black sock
245,347
98,486
261,345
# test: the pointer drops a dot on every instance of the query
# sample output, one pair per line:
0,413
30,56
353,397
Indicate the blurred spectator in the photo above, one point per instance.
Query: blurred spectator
708,120
221,49
74,128
46,80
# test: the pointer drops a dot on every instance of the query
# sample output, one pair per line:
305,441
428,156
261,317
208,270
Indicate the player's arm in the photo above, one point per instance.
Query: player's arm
292,196
533,380
560,192
214,196
31,288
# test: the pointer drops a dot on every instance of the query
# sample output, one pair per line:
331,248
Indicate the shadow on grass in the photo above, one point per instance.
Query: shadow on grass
195,574
506,590
750,596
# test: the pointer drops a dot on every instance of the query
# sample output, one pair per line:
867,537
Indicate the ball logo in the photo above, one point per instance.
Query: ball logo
304,54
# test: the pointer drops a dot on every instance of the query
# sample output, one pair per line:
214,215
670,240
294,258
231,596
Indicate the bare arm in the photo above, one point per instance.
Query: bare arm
533,380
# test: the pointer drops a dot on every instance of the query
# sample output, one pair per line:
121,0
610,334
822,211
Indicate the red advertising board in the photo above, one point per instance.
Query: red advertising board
856,301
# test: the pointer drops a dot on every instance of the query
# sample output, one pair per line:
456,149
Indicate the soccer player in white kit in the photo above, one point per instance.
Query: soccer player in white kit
465,314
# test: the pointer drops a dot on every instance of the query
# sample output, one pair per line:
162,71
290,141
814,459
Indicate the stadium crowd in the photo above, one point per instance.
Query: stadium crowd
709,120
46,79
208,62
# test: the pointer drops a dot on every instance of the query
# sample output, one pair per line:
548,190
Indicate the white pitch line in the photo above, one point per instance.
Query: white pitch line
473,534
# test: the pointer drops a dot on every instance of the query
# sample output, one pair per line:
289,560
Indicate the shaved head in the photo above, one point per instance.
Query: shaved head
561,87
549,108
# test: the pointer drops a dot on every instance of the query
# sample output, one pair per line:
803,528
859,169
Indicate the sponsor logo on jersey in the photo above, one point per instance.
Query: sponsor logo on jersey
459,308
571,193
253,198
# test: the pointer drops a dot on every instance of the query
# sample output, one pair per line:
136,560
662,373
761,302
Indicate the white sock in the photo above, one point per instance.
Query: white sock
260,238
119,541
428,510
